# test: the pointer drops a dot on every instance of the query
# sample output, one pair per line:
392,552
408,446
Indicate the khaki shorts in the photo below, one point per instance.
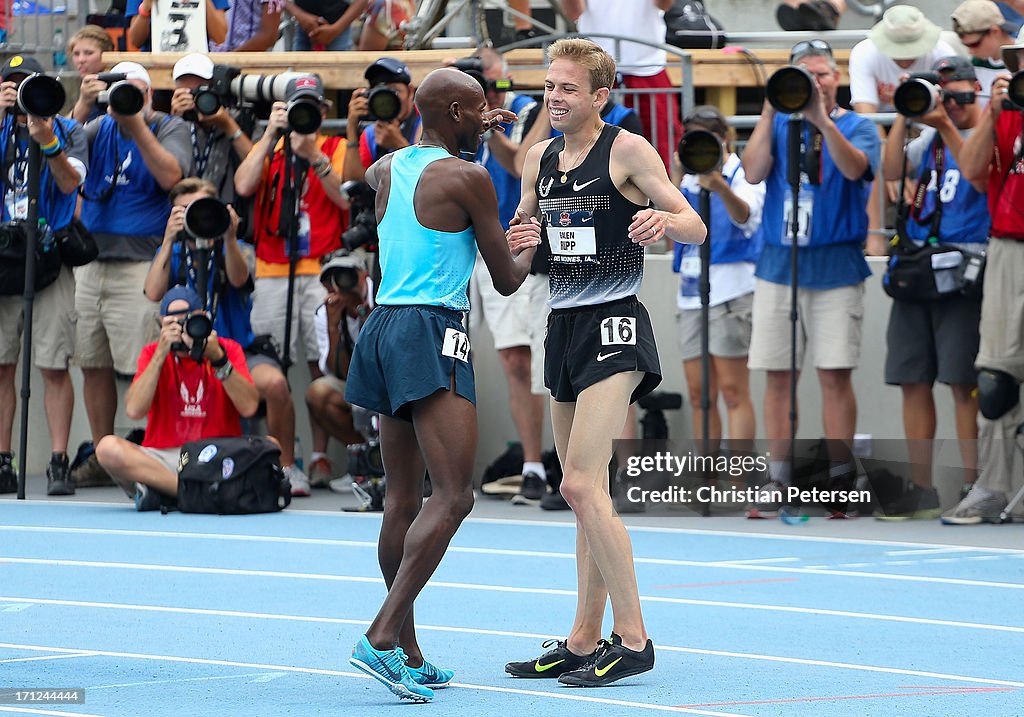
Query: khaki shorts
53,324
1002,309
270,305
508,317
728,329
115,319
168,456
829,321
539,310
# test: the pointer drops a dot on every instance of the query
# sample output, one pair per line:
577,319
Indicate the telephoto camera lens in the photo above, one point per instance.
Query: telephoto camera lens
385,104
199,327
207,218
790,89
700,151
125,98
916,97
304,115
41,96
1015,90
207,102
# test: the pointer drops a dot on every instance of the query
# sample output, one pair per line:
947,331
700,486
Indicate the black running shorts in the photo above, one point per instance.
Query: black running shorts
588,344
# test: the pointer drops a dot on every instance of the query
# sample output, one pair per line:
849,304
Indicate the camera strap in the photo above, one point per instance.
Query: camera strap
201,159
217,273
935,174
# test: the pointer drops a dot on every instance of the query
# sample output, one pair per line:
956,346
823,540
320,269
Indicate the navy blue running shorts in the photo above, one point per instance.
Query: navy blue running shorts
406,353
588,344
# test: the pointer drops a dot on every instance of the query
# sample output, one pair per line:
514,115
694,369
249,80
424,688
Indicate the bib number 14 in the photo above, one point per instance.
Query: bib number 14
456,345
618,331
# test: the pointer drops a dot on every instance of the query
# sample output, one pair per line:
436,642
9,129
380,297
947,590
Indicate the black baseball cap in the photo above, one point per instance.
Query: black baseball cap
955,68
21,65
388,69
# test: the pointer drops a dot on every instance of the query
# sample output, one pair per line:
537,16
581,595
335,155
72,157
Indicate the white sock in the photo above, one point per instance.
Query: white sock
317,455
537,468
779,471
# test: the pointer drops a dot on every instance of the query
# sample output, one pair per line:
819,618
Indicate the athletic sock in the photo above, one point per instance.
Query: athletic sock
779,472
535,468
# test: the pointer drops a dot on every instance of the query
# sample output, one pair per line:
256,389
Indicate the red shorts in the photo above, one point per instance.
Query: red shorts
658,111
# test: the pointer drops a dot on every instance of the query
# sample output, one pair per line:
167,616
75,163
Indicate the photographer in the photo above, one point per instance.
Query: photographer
338,320
218,142
736,207
229,289
321,216
182,399
136,159
86,48
141,12
385,134
65,162
838,168
937,340
992,157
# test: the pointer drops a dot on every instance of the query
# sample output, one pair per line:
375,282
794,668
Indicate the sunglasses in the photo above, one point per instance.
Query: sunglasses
809,47
982,34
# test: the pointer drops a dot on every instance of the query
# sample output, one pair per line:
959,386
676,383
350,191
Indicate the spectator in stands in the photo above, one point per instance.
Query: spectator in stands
810,14
230,291
181,399
937,340
253,26
135,161
324,25
523,27
983,31
382,25
348,303
991,157
642,67
86,48
321,215
218,143
383,136
831,224
65,164
903,41
736,207
140,12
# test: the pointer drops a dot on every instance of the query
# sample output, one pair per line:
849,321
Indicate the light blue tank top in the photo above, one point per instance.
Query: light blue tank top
420,265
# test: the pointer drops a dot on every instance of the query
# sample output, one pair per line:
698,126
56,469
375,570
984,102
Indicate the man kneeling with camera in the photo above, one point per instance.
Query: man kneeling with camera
187,389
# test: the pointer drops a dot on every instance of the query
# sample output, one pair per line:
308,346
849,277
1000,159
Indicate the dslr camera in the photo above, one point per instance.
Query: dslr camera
921,93
474,67
121,95
1015,93
365,464
39,95
362,230
302,91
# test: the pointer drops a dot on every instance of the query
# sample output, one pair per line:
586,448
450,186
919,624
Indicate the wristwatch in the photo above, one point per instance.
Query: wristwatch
224,372
322,166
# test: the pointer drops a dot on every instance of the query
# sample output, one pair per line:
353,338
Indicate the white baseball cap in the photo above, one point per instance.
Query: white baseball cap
194,63
134,71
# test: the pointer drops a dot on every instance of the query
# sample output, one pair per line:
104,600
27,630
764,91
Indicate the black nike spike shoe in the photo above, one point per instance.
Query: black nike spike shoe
551,664
612,662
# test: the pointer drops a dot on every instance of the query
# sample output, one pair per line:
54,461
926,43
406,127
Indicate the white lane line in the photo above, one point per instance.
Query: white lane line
46,657
54,713
688,650
810,570
854,565
927,551
752,561
663,530
544,591
359,675
147,683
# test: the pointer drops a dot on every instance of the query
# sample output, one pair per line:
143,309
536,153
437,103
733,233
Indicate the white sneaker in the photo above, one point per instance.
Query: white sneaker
299,481
341,485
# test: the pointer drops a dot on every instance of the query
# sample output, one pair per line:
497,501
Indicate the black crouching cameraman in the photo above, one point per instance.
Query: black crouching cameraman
388,105
337,322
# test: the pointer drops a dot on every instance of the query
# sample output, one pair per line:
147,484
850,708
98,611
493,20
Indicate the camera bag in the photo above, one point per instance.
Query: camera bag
232,476
13,245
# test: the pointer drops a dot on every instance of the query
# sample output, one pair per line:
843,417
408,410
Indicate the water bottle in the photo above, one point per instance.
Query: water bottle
60,57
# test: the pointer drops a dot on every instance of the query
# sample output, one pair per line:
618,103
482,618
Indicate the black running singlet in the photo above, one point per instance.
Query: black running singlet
586,222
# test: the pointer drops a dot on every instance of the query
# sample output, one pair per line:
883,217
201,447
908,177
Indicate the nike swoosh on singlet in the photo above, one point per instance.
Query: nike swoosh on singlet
576,186
602,357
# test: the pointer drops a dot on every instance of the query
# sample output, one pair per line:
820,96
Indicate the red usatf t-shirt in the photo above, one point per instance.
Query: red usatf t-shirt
1006,178
190,403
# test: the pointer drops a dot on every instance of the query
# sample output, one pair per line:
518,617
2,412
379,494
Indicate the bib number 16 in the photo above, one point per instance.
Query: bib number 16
618,331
